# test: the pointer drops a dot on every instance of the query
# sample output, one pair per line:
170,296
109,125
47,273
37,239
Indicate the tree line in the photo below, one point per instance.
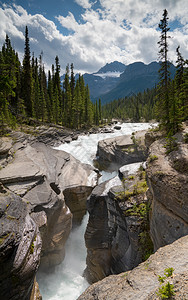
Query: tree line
172,95
27,92
168,101
135,108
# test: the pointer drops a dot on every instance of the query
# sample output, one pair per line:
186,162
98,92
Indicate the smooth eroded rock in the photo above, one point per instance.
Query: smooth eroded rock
20,247
142,282
169,189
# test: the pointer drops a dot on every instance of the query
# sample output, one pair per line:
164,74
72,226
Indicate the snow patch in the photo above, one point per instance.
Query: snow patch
108,74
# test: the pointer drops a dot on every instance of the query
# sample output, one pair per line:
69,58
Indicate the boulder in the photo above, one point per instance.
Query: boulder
143,281
20,247
122,150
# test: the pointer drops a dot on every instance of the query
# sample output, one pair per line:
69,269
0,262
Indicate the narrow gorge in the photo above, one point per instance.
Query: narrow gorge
44,191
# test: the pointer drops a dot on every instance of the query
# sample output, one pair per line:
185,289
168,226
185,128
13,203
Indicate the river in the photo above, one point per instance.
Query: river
67,282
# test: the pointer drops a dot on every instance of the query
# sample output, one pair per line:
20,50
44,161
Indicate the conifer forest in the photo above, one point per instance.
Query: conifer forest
28,92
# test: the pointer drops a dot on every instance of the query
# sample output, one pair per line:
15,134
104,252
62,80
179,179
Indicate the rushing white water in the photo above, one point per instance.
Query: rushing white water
67,282
85,147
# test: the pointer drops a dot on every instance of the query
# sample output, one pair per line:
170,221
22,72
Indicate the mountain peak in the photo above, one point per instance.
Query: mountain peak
115,66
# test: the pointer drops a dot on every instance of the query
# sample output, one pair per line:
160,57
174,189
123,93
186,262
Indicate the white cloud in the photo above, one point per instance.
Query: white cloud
68,22
119,30
84,3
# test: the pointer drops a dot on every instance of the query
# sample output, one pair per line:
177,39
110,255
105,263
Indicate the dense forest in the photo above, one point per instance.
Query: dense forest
28,93
134,108
167,102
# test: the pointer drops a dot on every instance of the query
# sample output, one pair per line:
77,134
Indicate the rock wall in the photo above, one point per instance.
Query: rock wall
39,175
106,236
168,183
20,247
142,282
113,232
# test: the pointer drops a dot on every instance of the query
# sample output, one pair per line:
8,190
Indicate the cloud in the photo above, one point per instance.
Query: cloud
126,31
84,3
68,22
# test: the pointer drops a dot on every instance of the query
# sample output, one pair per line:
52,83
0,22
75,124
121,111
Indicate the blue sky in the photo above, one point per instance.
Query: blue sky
91,33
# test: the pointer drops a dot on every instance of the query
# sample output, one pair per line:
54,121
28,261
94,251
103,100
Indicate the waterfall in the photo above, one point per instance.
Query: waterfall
67,282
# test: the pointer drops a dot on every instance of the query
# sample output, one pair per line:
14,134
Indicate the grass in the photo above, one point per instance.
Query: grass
152,158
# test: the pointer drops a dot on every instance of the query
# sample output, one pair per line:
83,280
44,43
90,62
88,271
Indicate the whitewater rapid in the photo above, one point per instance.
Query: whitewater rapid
67,282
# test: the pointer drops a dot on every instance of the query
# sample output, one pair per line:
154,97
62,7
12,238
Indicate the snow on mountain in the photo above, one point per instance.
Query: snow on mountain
114,74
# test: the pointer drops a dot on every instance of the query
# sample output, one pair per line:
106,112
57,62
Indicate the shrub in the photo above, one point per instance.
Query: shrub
166,291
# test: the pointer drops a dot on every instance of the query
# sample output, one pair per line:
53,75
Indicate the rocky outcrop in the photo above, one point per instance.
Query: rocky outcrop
20,247
35,294
40,175
142,282
115,223
106,236
168,182
122,150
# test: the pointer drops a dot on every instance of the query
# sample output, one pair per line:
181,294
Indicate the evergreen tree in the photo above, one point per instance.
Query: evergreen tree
163,105
96,113
26,77
67,99
8,82
77,107
72,81
100,110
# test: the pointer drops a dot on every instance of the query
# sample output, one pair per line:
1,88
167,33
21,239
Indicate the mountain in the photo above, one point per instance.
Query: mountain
113,67
116,80
105,79
136,77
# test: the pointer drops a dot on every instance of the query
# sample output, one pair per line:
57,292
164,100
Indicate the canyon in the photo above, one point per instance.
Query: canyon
44,193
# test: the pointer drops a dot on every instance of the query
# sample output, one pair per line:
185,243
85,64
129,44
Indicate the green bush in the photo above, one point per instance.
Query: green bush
166,291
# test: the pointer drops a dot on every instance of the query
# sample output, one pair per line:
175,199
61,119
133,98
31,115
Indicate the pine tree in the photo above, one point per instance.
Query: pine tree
72,81
42,90
163,105
100,110
8,82
77,109
67,99
27,77
96,113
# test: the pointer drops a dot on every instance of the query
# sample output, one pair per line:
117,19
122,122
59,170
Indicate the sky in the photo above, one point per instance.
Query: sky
91,33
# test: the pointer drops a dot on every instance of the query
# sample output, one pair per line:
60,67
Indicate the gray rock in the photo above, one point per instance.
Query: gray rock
20,247
142,282
40,175
5,145
169,189
122,150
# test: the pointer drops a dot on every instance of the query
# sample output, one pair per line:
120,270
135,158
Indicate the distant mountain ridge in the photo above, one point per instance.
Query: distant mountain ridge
116,80
133,78
115,66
